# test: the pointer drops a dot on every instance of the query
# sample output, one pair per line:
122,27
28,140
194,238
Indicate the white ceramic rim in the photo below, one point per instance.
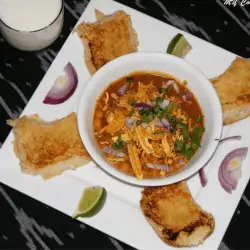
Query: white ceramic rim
108,168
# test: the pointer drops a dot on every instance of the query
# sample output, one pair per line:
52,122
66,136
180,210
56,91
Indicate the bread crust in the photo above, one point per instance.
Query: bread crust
174,215
233,89
48,148
109,37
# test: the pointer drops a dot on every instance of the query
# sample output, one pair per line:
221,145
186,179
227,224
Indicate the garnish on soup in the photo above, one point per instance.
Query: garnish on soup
148,125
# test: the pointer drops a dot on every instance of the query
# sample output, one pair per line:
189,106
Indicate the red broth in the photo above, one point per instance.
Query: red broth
148,124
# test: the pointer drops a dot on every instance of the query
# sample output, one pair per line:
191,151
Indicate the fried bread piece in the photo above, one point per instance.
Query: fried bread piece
233,89
48,148
98,14
109,37
175,216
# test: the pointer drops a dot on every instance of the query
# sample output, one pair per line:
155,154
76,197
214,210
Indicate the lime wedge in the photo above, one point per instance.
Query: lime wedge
179,46
91,202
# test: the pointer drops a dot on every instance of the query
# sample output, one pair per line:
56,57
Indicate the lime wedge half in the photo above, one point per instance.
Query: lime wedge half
90,202
179,46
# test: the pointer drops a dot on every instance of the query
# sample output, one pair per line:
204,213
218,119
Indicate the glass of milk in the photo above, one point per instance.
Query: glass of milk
31,25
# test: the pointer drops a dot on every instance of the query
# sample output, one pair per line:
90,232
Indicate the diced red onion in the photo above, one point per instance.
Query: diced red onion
236,174
168,83
64,86
181,162
176,88
123,89
142,105
130,122
164,104
158,166
188,95
150,103
227,177
227,187
120,154
236,137
165,123
144,125
157,123
110,150
203,178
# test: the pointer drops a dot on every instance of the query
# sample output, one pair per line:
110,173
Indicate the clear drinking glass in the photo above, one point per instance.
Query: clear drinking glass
33,40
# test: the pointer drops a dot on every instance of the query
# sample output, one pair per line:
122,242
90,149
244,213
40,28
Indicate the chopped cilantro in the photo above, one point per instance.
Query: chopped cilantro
158,112
131,112
148,114
131,102
181,125
199,118
111,86
172,119
147,118
197,133
145,111
184,149
188,146
188,154
173,122
179,146
170,107
158,100
194,146
130,79
184,130
118,144
188,149
162,90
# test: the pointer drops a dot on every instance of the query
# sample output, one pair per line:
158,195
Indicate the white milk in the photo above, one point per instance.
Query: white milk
29,15
31,24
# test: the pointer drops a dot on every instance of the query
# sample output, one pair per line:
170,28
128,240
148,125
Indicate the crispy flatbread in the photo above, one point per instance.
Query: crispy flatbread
48,148
99,15
175,216
233,89
109,37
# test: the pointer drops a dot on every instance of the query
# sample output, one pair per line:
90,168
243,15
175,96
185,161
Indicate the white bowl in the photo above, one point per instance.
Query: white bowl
197,83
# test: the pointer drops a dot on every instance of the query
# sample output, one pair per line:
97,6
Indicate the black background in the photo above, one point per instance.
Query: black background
21,216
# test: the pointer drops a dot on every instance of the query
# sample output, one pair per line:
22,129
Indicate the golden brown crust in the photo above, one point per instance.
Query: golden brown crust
98,14
174,215
52,170
45,147
109,37
233,89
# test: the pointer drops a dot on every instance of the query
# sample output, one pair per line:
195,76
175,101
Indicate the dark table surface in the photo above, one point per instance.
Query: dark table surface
28,224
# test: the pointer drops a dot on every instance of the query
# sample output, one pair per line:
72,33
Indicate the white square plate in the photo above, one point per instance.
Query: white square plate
121,216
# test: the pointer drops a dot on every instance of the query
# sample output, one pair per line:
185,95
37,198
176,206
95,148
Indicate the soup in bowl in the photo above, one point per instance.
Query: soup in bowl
150,119
148,124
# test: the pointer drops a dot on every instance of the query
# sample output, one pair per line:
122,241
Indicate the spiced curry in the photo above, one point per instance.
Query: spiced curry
148,124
